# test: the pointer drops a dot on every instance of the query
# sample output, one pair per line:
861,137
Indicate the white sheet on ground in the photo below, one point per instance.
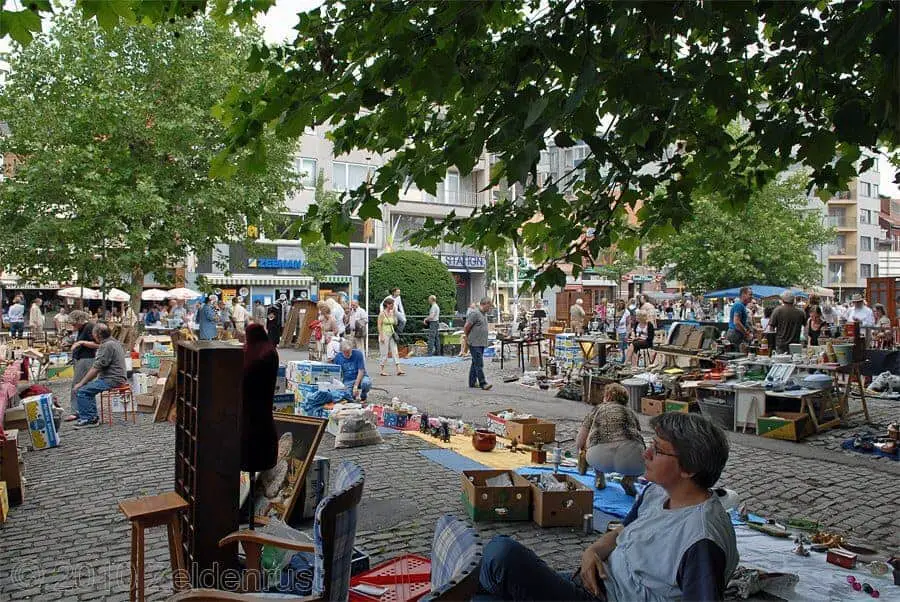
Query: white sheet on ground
819,581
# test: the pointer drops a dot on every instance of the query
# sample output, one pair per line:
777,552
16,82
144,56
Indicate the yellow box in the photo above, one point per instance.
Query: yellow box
4,502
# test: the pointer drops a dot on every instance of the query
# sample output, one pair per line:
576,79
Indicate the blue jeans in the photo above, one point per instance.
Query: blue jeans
433,337
87,405
476,370
364,385
510,571
16,329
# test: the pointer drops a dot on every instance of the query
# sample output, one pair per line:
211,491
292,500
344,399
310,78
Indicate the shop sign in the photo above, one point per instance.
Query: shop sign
273,263
476,262
642,278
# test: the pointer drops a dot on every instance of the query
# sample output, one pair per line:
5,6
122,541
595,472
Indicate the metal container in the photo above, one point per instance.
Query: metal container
637,388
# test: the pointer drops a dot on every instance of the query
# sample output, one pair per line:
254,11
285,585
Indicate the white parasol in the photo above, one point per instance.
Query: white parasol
77,292
154,294
183,294
117,295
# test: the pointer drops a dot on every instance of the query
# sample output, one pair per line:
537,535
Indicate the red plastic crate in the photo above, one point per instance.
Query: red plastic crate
407,578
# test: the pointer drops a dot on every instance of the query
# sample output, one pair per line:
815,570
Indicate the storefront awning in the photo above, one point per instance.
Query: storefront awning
335,279
258,280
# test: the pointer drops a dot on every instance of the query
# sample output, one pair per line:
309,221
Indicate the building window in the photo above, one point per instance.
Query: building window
875,191
451,188
865,189
865,243
307,170
865,216
875,270
865,270
350,176
835,272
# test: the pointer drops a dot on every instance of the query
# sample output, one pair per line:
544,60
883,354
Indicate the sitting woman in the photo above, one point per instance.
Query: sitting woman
641,337
677,542
610,438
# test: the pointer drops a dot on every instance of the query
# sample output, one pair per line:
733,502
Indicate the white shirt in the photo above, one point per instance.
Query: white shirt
333,348
357,315
398,306
239,314
337,312
863,315
17,313
623,321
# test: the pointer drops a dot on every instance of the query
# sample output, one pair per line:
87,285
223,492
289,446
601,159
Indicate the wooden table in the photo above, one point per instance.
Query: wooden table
806,398
521,345
589,344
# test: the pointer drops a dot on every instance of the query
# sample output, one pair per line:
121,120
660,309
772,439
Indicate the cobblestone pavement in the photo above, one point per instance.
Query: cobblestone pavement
68,541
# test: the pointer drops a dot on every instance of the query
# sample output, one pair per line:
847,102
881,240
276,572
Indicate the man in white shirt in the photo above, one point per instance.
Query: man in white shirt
17,318
36,318
860,312
357,324
433,322
239,316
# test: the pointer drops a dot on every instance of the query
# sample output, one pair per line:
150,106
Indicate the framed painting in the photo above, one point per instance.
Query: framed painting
277,490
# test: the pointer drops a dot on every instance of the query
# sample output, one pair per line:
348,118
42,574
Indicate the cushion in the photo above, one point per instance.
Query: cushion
455,548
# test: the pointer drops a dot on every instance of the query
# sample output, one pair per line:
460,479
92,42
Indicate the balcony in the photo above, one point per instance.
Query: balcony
841,252
841,223
843,198
452,197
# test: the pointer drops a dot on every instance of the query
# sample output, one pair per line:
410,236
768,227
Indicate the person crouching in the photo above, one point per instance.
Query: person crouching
610,437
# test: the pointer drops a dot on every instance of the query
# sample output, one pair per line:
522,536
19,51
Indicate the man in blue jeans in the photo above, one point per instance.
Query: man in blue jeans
476,330
109,370
353,370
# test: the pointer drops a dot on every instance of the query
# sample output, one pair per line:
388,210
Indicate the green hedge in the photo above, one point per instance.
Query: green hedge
418,275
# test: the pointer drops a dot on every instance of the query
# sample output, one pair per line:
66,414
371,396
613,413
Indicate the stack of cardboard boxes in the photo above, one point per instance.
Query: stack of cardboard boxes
305,377
567,352
152,387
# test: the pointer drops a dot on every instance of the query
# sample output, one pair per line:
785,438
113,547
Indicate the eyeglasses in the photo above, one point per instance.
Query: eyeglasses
654,449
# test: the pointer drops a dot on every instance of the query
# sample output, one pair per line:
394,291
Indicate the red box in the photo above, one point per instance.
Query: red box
407,578
841,558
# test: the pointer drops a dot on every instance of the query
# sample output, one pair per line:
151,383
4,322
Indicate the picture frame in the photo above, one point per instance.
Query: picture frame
277,490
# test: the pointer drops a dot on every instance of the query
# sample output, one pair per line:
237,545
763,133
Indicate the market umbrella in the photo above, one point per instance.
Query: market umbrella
154,294
117,295
183,294
77,292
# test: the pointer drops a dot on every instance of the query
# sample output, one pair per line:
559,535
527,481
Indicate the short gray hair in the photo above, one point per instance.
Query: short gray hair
486,301
346,345
701,445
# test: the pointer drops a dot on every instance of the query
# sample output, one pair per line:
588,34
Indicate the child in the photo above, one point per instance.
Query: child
610,438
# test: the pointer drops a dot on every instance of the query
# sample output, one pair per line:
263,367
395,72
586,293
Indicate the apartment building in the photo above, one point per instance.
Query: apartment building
853,256
279,271
889,246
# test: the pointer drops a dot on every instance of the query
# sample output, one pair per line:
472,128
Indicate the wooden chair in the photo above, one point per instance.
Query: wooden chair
456,553
455,561
334,532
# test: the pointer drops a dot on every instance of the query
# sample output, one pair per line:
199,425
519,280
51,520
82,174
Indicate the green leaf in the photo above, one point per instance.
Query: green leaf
19,25
536,110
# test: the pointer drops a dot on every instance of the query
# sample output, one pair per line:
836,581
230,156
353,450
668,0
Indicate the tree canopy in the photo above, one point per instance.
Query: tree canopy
770,241
650,87
116,138
418,275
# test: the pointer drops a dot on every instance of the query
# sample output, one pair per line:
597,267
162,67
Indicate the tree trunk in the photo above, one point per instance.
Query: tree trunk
137,286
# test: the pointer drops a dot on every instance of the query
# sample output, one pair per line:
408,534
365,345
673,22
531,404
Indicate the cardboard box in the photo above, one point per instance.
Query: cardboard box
310,372
530,430
14,419
652,407
39,413
9,468
483,503
562,508
4,502
670,405
315,488
496,424
145,402
165,368
790,426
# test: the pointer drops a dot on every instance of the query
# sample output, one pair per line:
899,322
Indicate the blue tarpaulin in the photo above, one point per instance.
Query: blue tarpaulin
760,291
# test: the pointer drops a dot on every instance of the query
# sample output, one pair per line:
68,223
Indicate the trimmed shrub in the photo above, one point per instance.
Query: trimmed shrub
418,275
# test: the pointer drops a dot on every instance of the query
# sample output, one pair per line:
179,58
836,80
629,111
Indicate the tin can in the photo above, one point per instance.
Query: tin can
587,524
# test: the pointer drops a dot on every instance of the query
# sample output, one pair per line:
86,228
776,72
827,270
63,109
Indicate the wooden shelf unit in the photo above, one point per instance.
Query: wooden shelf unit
207,454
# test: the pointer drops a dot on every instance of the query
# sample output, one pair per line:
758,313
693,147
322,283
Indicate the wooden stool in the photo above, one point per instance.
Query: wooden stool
124,393
154,511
